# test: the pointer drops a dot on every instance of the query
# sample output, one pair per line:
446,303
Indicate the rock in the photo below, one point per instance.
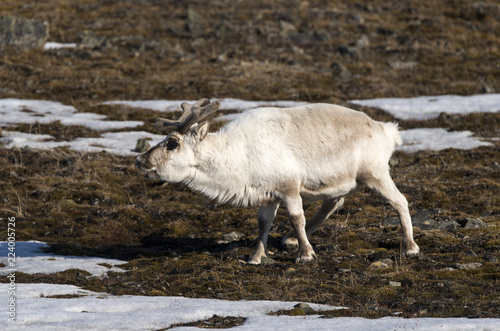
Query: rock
142,145
482,10
490,258
286,28
394,161
362,42
346,51
396,284
471,223
424,218
400,65
468,266
321,35
267,261
22,33
232,236
382,264
194,22
391,221
384,31
448,225
92,41
304,306
338,69
470,253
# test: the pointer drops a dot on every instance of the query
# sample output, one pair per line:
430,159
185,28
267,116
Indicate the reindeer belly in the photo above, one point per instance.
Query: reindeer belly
328,189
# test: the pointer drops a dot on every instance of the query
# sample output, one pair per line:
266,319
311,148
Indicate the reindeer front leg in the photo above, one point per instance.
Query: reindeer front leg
266,216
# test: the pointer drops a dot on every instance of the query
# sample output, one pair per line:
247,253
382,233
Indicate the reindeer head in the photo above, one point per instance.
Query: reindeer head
172,159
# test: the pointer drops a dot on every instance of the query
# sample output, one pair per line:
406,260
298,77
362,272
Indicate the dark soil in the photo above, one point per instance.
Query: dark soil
175,241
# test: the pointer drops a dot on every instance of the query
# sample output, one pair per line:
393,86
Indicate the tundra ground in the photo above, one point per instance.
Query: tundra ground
178,243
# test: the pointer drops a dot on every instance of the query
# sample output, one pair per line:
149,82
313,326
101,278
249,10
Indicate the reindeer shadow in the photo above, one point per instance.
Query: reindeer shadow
158,246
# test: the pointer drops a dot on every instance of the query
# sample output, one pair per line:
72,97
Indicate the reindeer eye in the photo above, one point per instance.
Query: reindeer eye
172,144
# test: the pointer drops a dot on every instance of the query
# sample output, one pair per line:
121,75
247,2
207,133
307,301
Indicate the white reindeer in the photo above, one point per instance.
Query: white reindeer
272,155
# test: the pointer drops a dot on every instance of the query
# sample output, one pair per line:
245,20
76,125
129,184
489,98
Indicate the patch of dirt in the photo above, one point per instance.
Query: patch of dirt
215,322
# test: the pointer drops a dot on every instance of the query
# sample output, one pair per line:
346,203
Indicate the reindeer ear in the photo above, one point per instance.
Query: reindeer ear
200,131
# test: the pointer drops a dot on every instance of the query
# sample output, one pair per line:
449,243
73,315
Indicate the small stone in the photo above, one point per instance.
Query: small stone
448,225
232,236
338,69
92,41
378,265
391,221
22,33
363,42
194,22
267,261
470,253
344,270
346,51
424,219
468,266
286,27
399,65
394,161
304,306
490,258
472,223
396,284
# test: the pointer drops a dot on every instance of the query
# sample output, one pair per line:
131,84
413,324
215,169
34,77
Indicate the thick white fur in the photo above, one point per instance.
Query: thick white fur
267,155
251,158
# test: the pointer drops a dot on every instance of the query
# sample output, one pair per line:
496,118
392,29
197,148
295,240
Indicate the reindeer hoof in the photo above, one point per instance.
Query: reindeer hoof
304,258
289,243
254,260
412,252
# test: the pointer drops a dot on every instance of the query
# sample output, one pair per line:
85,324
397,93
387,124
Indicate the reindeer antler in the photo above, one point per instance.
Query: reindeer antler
191,114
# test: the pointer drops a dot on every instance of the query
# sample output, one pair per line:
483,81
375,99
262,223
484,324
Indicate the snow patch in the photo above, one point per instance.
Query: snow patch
18,111
56,45
31,259
120,143
89,310
427,107
415,140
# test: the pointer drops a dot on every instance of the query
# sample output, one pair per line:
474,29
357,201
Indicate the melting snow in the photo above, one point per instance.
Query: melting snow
37,308
31,259
15,111
427,107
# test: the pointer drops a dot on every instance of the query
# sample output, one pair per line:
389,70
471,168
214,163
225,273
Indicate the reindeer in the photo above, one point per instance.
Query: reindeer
271,155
